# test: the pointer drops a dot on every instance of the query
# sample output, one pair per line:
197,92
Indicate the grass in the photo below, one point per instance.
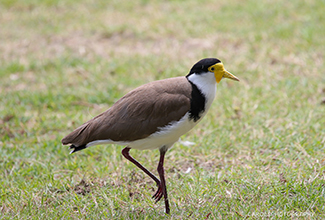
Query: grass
259,153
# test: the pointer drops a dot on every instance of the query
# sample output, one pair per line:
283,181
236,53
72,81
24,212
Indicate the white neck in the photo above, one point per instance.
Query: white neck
206,83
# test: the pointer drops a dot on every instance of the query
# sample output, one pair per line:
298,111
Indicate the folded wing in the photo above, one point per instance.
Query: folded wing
138,114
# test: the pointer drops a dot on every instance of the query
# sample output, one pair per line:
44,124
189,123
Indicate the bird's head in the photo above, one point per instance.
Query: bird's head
211,65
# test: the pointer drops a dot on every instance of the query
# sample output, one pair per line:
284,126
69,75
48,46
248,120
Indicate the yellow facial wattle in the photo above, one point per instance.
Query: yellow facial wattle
220,72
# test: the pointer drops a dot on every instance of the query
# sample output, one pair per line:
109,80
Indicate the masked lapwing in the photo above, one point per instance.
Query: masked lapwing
154,116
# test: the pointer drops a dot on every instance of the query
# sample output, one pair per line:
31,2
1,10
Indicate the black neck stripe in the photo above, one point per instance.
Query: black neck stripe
197,103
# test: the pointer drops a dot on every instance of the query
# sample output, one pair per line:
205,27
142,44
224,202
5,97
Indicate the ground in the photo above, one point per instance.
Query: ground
259,153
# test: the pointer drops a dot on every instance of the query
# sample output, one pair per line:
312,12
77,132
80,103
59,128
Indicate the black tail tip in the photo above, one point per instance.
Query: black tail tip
76,148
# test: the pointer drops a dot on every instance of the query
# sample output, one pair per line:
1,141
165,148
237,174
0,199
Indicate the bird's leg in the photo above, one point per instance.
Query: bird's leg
163,188
125,153
161,191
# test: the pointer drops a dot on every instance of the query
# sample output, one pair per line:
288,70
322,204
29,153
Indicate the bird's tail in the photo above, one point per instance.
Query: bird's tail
76,148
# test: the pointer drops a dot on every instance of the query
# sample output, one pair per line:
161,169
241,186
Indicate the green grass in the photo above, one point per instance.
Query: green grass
259,153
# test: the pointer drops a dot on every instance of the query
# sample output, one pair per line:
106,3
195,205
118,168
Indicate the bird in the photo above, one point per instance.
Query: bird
154,116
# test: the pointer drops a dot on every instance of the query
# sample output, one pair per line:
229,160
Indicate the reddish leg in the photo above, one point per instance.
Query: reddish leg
161,191
161,172
125,153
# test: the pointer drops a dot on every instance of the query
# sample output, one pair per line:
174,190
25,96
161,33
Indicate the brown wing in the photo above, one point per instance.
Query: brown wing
137,114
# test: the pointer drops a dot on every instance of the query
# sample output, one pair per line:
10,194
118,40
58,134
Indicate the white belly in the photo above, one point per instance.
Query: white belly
167,136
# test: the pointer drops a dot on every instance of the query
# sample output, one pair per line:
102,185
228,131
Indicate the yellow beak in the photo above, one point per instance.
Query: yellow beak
220,72
229,76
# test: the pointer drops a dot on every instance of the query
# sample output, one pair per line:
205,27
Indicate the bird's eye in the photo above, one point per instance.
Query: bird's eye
212,68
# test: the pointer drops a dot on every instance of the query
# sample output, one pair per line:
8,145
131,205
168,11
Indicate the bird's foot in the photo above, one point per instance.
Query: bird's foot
158,195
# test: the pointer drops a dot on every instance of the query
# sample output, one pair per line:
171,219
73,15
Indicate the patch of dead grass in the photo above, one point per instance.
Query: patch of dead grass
119,44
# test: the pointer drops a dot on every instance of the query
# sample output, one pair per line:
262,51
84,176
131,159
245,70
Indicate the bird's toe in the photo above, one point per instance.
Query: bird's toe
158,195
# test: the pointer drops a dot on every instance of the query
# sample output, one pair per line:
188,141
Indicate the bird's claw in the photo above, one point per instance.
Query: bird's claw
158,195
